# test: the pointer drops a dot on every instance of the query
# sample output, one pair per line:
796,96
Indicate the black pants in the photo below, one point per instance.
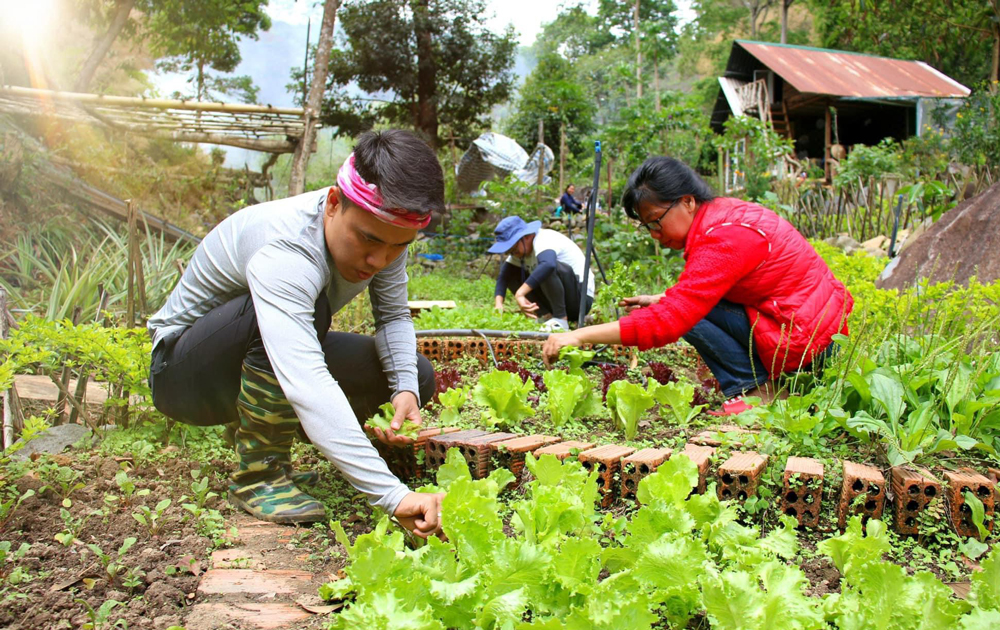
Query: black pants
558,295
195,377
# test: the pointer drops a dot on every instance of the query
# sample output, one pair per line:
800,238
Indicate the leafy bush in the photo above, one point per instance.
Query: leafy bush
756,146
864,162
976,140
628,402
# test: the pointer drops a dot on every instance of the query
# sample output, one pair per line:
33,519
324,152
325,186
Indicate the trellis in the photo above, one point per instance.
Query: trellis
254,127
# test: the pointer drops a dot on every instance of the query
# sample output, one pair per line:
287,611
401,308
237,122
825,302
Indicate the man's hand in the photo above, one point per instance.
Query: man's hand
498,303
407,408
528,307
555,343
639,301
420,513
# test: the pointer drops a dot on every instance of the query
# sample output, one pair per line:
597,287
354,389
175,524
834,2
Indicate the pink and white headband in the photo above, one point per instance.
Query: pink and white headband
367,197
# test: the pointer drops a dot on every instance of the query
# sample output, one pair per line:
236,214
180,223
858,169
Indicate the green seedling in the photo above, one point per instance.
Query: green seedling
153,519
129,493
72,526
7,507
112,562
452,400
100,619
10,573
200,489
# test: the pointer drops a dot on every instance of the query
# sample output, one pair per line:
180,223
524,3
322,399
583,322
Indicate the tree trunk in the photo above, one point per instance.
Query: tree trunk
638,52
784,20
656,79
427,121
321,66
122,10
995,72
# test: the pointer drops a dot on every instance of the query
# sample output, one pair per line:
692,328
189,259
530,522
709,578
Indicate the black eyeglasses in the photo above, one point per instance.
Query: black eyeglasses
655,224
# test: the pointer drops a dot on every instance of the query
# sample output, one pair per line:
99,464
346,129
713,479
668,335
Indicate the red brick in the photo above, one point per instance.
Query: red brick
702,458
214,615
431,348
802,490
226,581
861,481
608,461
968,480
912,491
510,454
638,465
739,476
437,446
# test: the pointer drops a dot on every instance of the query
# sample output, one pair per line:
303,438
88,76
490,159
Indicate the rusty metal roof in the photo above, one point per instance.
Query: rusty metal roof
853,75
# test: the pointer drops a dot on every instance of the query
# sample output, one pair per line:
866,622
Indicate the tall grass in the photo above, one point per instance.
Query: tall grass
52,270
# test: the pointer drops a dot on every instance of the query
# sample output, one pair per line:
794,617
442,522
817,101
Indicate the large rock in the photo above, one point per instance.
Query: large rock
963,243
53,440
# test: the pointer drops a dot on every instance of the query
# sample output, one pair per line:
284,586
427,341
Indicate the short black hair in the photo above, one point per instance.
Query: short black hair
568,186
402,166
663,180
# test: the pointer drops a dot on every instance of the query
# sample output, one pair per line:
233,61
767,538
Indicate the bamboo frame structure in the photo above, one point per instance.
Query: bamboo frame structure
254,127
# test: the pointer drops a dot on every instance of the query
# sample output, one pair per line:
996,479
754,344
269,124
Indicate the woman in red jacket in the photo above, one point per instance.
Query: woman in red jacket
755,299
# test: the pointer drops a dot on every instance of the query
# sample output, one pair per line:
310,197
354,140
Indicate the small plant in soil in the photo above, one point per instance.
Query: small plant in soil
8,507
100,619
676,396
72,525
129,492
153,519
452,400
628,402
200,489
112,562
505,396
10,573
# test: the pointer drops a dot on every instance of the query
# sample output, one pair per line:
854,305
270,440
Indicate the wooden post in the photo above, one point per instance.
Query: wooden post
454,161
8,416
562,157
826,143
80,394
541,159
140,275
722,172
64,397
130,295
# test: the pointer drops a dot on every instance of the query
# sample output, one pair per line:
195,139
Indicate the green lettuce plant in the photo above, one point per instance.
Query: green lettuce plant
452,400
569,396
676,396
383,421
628,402
505,397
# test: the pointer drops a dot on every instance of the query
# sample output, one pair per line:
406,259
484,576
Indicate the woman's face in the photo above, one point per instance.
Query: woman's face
669,223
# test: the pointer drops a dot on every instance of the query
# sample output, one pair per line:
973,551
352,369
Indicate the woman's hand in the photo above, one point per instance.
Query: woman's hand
639,301
555,343
498,304
528,307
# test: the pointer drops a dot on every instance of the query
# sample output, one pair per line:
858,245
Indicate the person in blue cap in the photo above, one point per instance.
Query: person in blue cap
544,271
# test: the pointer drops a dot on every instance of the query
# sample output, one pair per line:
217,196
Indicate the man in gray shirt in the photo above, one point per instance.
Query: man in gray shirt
244,338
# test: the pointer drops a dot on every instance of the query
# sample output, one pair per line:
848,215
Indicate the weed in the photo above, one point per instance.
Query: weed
100,619
112,562
153,519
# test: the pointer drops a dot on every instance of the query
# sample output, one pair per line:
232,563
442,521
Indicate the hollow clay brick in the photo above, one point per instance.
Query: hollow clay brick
865,482
702,458
437,446
638,465
712,437
510,454
404,461
560,451
968,480
912,491
739,476
476,451
430,347
607,460
802,490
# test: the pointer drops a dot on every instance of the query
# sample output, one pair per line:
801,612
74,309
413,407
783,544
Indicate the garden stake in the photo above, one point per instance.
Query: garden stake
895,228
591,212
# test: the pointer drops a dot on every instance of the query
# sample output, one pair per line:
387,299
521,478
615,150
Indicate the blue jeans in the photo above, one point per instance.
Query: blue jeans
725,342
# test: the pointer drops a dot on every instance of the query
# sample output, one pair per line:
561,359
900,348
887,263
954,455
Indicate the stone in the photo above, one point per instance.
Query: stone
53,440
252,615
225,581
963,243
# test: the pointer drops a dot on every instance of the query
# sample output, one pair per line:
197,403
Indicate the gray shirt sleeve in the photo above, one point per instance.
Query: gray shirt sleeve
285,284
394,335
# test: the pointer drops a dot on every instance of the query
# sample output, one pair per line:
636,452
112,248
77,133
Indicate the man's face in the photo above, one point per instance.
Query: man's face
522,248
360,244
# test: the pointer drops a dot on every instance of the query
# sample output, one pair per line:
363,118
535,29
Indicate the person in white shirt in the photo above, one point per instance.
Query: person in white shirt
544,271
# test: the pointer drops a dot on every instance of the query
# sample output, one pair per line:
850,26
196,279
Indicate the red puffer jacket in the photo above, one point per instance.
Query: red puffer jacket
745,253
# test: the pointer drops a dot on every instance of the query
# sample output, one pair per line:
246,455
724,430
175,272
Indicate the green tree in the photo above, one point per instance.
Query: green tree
959,37
649,26
574,34
552,93
203,35
423,63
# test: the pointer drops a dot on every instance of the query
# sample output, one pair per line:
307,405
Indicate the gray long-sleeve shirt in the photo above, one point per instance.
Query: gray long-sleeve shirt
277,252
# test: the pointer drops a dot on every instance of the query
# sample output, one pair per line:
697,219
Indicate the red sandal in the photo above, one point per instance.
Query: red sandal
732,407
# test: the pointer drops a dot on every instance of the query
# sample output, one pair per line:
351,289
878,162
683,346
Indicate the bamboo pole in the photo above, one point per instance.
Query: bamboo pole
152,103
562,157
8,416
130,296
